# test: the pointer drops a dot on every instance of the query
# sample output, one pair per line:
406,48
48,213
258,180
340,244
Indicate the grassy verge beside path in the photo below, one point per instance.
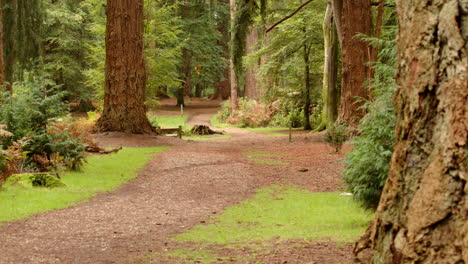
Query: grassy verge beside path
101,173
276,214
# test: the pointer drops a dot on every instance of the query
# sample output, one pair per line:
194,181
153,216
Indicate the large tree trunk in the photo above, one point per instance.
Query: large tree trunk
2,59
423,213
234,98
251,87
355,18
330,71
124,93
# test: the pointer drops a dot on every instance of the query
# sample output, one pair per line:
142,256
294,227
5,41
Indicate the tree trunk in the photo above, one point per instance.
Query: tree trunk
2,59
423,213
330,74
9,16
124,93
234,99
251,88
337,13
307,87
355,18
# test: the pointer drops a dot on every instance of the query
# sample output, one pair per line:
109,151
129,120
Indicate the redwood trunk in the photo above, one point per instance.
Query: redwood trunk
2,59
355,18
423,213
124,93
234,98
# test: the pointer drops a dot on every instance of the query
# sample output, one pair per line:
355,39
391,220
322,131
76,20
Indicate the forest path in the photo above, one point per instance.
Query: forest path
176,191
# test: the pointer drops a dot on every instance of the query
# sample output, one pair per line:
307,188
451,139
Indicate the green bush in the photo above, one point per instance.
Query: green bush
368,163
336,136
27,113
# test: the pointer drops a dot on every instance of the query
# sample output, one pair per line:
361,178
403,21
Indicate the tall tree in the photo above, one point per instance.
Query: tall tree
330,71
2,59
124,93
423,213
355,18
233,75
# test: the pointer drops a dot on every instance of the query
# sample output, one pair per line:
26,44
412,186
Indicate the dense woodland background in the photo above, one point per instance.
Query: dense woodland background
312,64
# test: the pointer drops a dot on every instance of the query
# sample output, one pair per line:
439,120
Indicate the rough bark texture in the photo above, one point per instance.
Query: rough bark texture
251,84
423,213
355,18
234,98
124,93
2,59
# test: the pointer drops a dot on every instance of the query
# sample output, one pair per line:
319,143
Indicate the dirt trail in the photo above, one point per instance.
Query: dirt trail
176,190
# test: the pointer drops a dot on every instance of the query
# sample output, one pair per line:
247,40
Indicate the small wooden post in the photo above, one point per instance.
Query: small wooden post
181,109
290,132
179,132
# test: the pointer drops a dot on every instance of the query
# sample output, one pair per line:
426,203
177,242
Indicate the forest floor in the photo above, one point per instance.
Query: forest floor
175,192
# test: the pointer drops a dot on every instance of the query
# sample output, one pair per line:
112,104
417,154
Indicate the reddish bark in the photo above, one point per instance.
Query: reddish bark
355,18
2,59
423,213
124,93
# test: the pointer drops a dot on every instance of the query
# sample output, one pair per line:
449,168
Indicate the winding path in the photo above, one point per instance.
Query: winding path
176,190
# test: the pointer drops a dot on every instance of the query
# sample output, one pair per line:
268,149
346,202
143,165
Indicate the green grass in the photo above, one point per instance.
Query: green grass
284,213
168,121
101,173
212,137
194,255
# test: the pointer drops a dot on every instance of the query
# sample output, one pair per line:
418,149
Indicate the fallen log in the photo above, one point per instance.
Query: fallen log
98,150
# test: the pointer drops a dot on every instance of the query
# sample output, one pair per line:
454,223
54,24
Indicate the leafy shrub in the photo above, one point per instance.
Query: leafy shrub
336,136
367,164
28,113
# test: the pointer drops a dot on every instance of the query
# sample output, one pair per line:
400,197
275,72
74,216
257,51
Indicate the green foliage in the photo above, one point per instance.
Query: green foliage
163,47
65,43
336,136
368,163
46,180
27,113
202,45
102,173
